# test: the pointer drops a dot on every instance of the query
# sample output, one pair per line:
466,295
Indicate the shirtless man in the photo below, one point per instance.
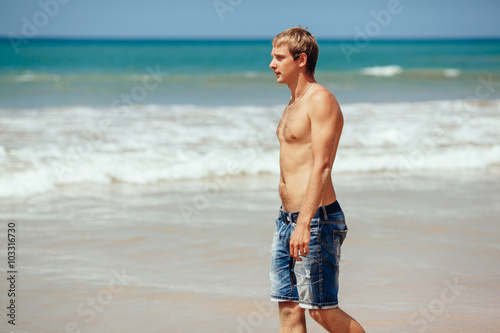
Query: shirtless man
310,227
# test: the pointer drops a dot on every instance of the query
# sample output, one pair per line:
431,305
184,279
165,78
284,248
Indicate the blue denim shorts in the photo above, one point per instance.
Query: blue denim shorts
313,282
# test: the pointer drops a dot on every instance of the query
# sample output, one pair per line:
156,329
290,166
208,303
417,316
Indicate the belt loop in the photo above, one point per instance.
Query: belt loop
325,215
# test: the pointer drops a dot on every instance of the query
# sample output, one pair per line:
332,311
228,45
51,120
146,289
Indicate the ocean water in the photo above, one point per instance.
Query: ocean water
55,73
154,165
97,111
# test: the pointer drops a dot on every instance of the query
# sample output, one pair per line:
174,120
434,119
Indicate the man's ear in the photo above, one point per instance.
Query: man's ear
302,60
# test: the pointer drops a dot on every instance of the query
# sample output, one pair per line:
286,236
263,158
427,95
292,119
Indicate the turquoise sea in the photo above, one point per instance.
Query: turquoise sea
90,72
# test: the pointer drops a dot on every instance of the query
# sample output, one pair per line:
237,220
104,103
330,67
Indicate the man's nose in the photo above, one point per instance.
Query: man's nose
272,65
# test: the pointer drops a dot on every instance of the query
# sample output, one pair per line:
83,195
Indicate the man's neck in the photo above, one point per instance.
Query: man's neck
298,86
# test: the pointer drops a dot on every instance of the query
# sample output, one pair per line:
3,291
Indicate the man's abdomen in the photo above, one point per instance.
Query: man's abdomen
293,189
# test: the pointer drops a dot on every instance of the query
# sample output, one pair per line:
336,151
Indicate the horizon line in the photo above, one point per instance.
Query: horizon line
249,39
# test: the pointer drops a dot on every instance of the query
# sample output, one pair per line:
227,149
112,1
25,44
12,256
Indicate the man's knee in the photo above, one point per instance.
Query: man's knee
338,318
291,312
315,314
320,315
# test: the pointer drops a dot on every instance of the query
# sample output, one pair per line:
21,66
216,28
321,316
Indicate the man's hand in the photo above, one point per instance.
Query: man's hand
299,243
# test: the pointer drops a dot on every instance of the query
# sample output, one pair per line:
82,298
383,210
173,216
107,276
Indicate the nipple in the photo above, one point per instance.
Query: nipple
293,137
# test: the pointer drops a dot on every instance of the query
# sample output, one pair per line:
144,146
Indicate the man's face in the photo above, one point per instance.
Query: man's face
283,64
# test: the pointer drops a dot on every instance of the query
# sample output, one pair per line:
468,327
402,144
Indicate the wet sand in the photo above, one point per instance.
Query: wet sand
194,256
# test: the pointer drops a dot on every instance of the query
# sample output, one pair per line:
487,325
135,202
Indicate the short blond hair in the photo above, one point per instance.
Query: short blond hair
298,40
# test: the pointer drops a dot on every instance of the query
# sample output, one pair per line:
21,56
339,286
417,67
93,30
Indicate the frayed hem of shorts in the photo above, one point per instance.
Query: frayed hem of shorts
276,299
318,307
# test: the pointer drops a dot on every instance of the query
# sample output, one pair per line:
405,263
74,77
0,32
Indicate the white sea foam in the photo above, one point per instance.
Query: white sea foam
382,70
250,74
451,72
29,76
156,143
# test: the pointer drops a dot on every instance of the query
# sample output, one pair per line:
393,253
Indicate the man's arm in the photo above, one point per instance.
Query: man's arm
323,116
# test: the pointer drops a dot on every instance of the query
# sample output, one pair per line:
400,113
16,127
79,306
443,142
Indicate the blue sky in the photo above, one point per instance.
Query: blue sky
249,18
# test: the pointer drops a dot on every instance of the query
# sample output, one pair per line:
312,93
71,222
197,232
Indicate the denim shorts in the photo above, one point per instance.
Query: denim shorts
313,282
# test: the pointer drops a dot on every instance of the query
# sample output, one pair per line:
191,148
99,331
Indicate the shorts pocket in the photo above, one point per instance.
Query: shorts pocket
334,235
338,239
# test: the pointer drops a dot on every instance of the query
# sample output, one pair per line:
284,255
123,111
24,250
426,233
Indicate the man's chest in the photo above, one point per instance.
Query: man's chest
294,126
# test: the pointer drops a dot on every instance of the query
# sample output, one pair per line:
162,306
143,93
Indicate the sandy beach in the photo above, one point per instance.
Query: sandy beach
422,257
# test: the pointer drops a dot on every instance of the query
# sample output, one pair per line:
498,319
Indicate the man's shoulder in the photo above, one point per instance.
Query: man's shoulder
320,89
323,100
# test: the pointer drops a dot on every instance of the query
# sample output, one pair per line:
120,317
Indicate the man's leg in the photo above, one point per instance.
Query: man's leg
336,320
292,318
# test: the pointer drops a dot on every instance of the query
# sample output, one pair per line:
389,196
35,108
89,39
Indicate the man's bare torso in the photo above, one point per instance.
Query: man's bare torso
296,158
